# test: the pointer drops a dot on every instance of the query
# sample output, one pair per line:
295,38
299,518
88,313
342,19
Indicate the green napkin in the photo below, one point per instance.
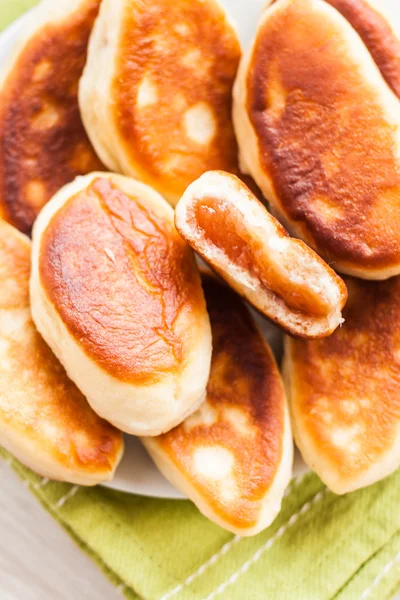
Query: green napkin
11,9
321,547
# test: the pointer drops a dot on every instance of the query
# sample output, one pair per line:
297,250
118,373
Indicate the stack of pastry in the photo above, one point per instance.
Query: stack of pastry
119,330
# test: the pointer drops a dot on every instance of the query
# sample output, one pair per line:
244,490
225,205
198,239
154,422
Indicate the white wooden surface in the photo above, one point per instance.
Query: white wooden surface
38,561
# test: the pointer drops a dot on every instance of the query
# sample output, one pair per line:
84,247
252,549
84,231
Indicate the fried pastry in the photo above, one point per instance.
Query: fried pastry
116,294
372,23
43,144
319,130
44,419
282,277
377,33
344,391
156,94
233,457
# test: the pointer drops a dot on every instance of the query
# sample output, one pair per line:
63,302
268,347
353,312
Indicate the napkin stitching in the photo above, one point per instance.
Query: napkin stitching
257,555
225,548
70,494
76,538
123,587
333,549
380,576
41,483
138,543
211,561
296,481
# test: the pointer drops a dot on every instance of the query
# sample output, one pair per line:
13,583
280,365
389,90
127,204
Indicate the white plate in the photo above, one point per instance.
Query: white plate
137,473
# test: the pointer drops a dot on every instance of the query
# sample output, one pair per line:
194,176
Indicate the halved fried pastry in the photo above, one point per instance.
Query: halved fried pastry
319,130
344,391
43,144
156,94
282,277
44,419
233,457
117,295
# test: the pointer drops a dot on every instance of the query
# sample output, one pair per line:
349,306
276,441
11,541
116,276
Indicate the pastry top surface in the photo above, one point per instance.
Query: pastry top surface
43,142
231,448
345,389
122,280
377,34
39,405
175,119
327,132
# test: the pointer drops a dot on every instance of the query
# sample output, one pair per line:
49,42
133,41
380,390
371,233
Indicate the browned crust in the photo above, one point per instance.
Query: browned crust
244,377
43,144
53,413
325,141
351,381
377,35
155,136
120,277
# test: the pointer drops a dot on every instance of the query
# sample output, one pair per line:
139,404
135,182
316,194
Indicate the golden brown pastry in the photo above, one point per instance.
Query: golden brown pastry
282,277
344,391
319,130
377,33
43,144
116,294
371,21
233,457
44,419
156,94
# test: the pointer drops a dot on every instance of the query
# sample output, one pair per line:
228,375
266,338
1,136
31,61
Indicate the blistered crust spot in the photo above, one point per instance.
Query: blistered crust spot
147,93
231,447
377,35
39,116
121,278
200,123
187,128
47,117
347,387
43,406
35,193
329,148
